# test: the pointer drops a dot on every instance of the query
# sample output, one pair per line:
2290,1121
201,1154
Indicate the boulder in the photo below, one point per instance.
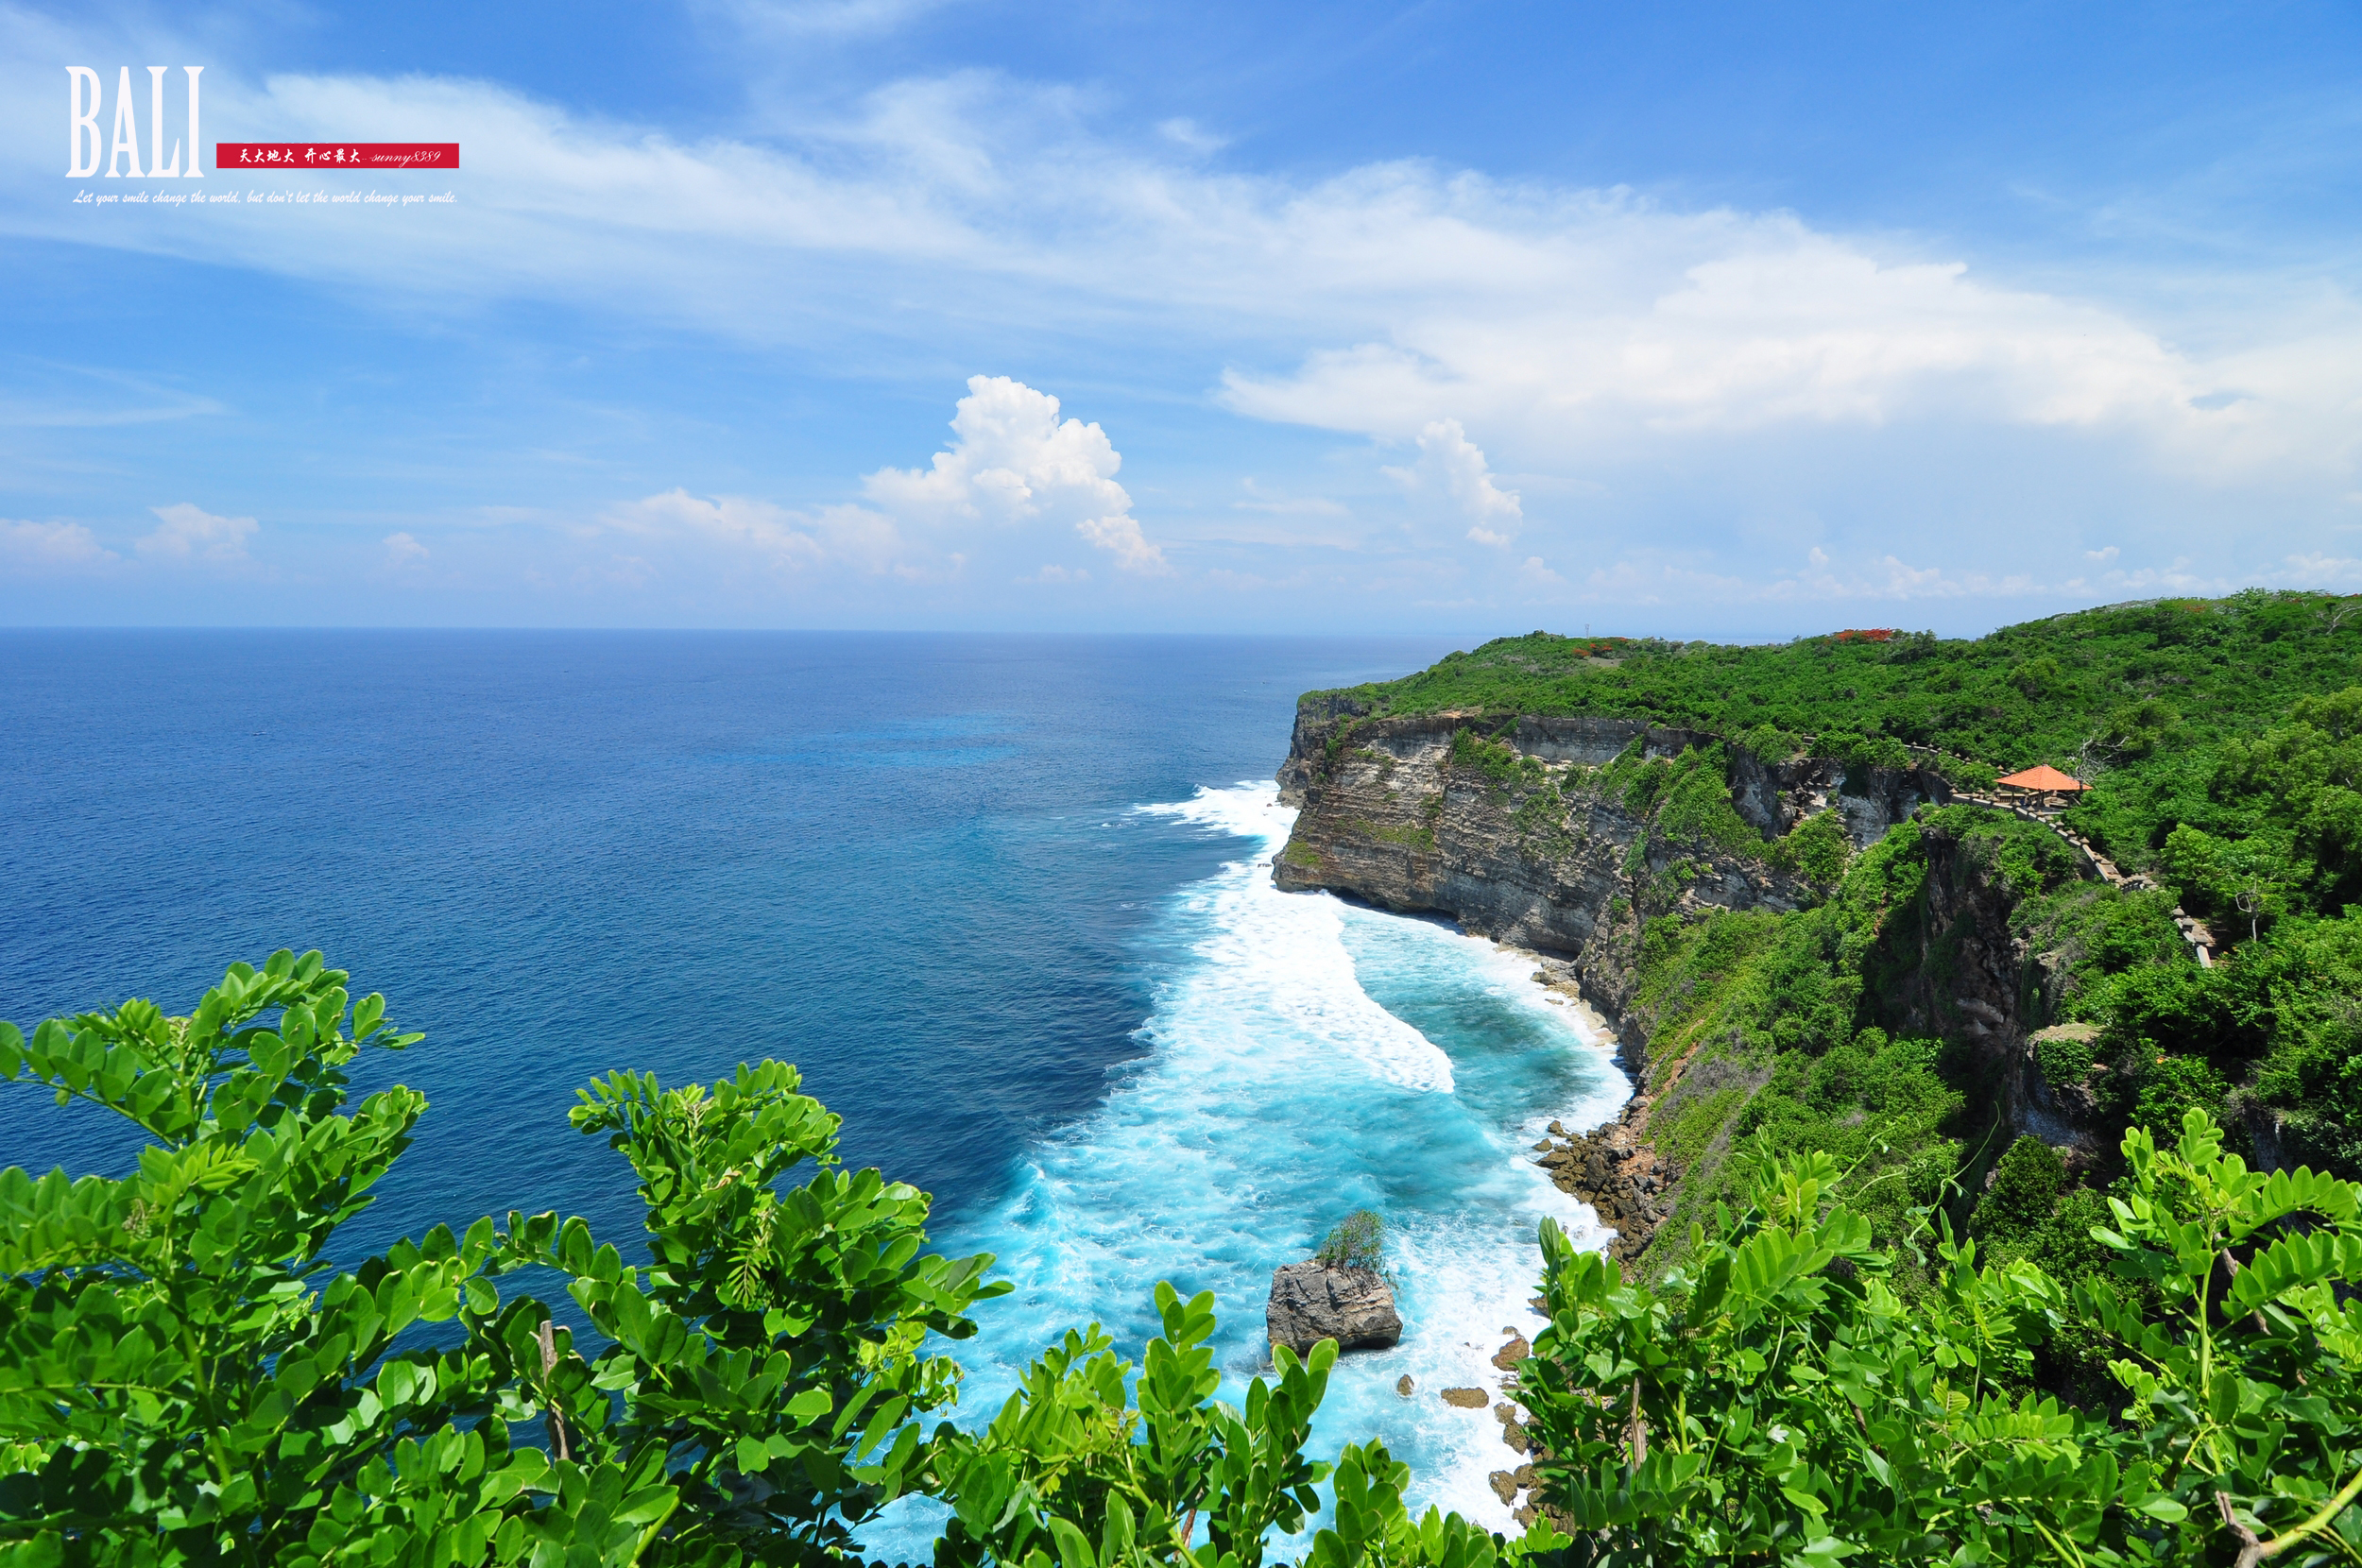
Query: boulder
1311,1302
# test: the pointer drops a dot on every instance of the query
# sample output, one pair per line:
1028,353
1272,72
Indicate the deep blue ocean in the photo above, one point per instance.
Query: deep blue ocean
1006,900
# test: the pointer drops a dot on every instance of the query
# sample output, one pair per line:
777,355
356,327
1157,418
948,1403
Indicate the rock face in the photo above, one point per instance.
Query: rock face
1555,860
1386,815
1311,1302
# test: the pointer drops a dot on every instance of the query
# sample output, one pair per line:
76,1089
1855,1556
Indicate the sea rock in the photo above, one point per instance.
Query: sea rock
1467,1399
1311,1302
1507,1357
1402,1385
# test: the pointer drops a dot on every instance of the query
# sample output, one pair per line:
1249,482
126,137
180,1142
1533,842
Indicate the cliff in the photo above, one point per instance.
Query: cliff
1569,835
1546,833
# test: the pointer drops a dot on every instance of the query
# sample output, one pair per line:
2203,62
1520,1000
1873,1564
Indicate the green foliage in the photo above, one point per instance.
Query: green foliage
1421,838
1775,1400
187,1378
2114,684
1088,1466
1495,760
1070,1472
2024,1188
1816,849
1357,1241
1693,805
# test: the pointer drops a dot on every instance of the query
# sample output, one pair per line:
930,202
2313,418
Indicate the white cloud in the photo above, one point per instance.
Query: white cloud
52,547
1567,324
189,533
2321,569
786,542
2106,554
1732,384
1012,462
1132,549
1452,465
1014,478
402,550
1184,132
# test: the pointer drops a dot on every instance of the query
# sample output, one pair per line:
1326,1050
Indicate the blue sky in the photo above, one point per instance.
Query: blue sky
1709,320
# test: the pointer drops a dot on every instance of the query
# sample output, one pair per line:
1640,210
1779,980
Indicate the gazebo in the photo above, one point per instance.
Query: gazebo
2046,781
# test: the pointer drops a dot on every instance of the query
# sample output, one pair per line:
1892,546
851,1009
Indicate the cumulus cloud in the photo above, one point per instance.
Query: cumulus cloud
189,533
1013,462
52,547
1450,465
1014,477
402,550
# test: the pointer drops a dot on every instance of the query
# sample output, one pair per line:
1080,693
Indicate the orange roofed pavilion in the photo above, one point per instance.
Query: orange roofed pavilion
2045,778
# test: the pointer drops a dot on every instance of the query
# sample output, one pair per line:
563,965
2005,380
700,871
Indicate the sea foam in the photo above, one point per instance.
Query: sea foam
1306,1057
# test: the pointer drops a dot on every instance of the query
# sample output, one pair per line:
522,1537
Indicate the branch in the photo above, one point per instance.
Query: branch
2254,1552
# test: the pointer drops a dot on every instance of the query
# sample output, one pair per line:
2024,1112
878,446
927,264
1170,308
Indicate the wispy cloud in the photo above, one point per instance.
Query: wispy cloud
52,547
1453,466
187,533
1574,322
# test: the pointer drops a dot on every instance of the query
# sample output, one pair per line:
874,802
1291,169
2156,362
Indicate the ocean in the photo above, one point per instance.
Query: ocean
1006,900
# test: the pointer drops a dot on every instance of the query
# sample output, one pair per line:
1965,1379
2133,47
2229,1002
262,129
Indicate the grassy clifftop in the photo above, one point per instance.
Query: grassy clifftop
2117,682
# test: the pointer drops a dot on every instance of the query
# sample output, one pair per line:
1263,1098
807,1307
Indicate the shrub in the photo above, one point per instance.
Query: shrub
2025,1188
189,1378
1773,1400
1816,849
1357,1241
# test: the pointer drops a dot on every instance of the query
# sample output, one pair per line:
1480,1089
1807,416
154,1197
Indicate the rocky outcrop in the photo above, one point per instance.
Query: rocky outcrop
1614,1168
1311,1302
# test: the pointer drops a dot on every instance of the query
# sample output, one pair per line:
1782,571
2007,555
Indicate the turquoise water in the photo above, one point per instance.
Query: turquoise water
1006,900
1310,1057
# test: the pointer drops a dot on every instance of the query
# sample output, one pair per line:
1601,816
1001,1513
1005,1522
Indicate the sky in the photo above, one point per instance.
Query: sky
1710,320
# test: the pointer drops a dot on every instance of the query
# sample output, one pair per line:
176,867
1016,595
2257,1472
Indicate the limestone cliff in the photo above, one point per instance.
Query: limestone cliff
1553,851
1545,833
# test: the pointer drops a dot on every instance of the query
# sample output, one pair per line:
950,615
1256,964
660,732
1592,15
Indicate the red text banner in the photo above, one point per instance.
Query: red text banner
376,157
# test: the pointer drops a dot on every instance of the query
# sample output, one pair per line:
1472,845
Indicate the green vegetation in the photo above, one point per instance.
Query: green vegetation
1777,1399
2223,744
2106,685
185,1377
1357,1241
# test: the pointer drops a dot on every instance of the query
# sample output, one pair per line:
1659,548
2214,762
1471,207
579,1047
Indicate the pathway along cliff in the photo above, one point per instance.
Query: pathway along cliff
1570,835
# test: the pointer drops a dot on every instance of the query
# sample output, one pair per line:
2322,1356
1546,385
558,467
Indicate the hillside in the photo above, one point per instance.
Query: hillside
1758,862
